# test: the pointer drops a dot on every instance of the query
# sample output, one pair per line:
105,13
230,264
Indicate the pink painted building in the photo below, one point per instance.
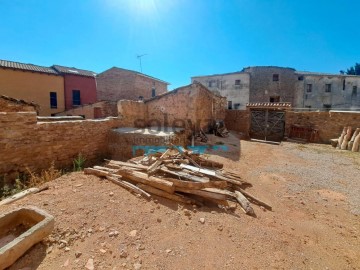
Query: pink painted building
79,86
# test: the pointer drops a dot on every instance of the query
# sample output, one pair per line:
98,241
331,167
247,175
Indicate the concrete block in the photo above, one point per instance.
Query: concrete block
20,229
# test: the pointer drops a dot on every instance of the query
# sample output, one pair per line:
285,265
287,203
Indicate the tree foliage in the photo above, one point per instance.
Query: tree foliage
355,70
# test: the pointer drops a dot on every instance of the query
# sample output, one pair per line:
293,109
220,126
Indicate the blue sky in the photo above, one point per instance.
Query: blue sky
182,38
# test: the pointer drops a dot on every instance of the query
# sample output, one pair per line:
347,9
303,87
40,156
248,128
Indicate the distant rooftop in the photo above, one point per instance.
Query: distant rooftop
27,67
322,74
222,74
74,71
138,73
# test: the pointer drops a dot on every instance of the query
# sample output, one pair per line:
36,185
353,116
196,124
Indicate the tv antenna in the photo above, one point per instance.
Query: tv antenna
139,57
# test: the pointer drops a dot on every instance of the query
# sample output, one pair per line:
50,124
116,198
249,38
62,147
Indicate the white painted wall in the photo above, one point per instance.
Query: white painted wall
224,85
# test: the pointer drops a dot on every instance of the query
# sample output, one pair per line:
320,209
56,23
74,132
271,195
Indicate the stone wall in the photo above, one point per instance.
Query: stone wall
263,87
96,110
329,124
238,120
15,105
132,113
26,143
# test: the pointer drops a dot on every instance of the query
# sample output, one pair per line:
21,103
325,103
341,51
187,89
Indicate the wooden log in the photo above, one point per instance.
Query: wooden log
213,174
143,178
127,164
96,172
245,204
184,175
203,193
127,186
164,194
341,138
351,142
206,162
346,139
255,199
110,170
19,196
197,185
355,147
155,166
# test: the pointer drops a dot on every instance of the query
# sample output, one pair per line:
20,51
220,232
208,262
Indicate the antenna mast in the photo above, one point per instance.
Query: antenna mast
139,57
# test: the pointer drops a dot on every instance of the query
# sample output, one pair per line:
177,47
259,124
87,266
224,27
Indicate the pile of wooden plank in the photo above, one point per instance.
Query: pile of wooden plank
348,140
181,176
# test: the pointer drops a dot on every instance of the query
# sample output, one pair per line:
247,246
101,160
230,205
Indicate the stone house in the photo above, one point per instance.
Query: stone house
79,86
117,83
234,86
280,84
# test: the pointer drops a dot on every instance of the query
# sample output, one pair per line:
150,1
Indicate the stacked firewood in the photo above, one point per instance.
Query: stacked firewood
348,140
181,176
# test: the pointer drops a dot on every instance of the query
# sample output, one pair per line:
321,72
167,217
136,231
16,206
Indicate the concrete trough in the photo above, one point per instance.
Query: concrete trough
20,229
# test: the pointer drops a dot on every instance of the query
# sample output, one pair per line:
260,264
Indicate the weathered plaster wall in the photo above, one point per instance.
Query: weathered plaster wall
33,87
132,113
342,93
225,85
86,86
26,143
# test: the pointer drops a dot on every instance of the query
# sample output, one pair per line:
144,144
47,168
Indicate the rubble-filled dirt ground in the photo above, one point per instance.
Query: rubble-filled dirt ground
314,191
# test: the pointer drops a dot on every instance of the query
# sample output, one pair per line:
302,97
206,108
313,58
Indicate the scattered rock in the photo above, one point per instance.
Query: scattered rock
78,254
137,266
187,213
202,220
111,194
103,251
168,251
67,249
49,250
116,233
220,228
90,264
123,253
158,220
111,234
66,263
133,233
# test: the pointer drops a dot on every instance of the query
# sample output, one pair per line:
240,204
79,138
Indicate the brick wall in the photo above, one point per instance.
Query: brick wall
100,109
238,121
132,113
116,84
26,143
329,124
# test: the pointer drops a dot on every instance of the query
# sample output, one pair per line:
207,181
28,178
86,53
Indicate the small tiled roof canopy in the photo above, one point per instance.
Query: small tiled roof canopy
27,67
73,71
285,105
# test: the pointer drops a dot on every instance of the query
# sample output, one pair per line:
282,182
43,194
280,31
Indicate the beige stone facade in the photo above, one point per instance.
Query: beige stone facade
116,83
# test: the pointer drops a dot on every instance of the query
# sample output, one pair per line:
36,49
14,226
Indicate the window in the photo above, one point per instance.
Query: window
210,83
153,92
344,84
237,106
308,106
76,97
53,100
275,77
301,78
141,98
328,87
327,106
354,92
230,105
309,88
275,99
237,82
